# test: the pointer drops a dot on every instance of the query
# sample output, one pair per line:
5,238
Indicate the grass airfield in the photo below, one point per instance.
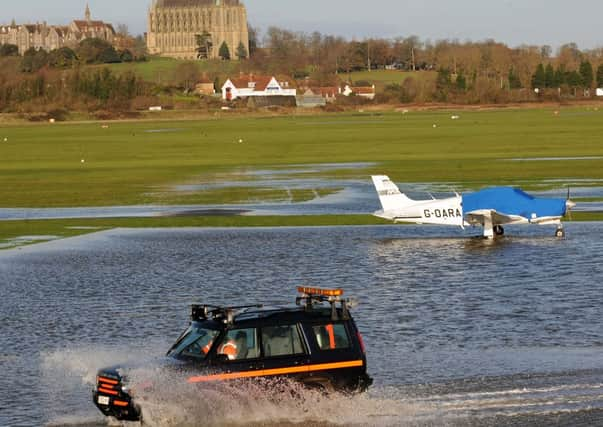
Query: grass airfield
137,163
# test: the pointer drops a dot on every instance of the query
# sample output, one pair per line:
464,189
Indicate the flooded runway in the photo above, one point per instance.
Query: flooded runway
459,331
349,195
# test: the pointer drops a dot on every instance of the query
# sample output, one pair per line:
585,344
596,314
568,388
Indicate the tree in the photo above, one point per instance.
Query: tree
109,56
95,51
254,37
514,80
586,72
574,79
122,30
538,79
139,50
549,76
600,76
186,75
62,58
224,51
204,45
33,60
560,77
126,56
461,81
9,50
444,79
241,52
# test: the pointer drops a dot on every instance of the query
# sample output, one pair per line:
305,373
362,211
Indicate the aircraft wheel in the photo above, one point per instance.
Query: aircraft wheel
560,233
499,230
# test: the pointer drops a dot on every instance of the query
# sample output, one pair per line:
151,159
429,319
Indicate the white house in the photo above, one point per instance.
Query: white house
250,85
367,92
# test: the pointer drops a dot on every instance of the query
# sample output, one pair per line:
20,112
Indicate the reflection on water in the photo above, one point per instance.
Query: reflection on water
459,331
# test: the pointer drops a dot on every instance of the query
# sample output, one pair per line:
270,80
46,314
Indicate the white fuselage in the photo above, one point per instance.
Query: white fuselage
442,212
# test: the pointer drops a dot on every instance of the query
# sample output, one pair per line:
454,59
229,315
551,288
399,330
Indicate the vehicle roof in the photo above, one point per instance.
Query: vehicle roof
281,314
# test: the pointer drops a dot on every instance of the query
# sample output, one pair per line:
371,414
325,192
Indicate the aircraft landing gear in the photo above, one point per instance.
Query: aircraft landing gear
560,233
499,231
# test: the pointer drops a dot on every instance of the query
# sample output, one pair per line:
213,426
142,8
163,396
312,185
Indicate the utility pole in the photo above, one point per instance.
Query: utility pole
368,54
412,53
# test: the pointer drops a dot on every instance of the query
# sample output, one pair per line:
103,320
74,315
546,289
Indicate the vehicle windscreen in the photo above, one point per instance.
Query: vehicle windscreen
195,342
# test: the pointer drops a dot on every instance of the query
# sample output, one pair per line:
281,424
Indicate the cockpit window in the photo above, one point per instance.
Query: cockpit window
195,342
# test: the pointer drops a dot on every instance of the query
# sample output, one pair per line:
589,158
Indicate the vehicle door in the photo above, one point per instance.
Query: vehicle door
238,351
284,350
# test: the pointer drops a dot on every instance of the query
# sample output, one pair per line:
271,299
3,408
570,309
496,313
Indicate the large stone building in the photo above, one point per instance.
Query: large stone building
174,24
50,37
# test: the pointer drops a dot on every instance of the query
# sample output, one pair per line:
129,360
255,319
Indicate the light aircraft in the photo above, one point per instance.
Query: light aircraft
491,208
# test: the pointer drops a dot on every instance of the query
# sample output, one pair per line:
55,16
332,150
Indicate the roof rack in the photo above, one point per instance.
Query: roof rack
221,314
314,296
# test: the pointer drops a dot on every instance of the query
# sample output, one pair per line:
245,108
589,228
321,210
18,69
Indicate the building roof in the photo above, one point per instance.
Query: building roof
363,90
83,25
260,83
328,91
194,3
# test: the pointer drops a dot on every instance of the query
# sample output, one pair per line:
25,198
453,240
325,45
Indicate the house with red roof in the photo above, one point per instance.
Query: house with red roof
367,92
250,85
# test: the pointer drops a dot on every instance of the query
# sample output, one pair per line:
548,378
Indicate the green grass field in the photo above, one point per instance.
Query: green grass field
382,78
130,163
162,70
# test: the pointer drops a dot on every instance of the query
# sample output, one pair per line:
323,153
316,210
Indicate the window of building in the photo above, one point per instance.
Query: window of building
332,336
281,341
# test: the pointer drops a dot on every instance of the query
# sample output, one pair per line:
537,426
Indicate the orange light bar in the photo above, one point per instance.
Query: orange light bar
120,403
322,292
108,381
111,392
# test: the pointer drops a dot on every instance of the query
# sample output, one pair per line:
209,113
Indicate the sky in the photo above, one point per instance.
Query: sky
515,22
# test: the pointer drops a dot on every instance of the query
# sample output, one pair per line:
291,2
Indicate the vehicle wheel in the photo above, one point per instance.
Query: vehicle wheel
499,230
560,233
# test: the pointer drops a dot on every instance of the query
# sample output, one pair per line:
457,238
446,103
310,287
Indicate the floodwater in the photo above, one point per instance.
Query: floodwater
352,197
459,331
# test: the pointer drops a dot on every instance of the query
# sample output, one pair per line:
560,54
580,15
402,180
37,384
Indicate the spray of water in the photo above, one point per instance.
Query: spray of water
167,399
171,401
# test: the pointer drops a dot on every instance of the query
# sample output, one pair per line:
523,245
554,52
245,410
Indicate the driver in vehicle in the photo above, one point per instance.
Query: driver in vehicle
235,348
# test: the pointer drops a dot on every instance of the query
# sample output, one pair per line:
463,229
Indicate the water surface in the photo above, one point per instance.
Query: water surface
459,330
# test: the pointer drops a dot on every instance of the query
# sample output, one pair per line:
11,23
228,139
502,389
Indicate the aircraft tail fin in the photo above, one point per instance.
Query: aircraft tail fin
389,194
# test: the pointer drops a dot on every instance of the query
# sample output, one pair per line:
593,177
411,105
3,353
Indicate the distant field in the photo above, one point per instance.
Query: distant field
135,162
161,70
382,78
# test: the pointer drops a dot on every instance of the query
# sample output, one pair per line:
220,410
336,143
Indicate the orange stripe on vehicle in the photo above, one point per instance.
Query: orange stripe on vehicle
120,403
111,392
278,371
108,381
331,331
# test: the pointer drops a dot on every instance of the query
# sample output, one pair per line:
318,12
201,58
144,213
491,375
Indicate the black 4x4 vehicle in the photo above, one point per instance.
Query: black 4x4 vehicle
316,344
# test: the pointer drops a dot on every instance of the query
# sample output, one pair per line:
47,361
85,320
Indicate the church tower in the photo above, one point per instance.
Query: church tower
88,15
173,27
